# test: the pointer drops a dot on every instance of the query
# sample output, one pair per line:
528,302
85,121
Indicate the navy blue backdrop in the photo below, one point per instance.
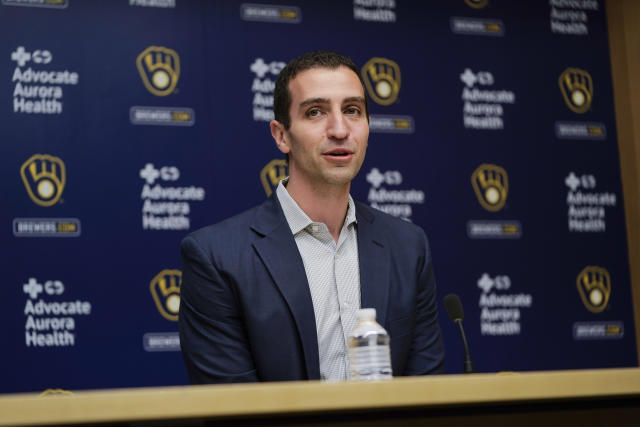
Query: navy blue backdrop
126,124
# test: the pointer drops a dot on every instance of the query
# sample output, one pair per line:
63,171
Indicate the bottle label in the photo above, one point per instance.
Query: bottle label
370,362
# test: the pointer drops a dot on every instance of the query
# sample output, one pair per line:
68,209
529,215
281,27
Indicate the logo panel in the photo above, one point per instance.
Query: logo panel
388,194
604,330
572,18
162,116
165,289
503,308
274,172
52,4
40,90
391,123
44,177
491,186
576,86
477,26
159,69
262,87
271,13
594,287
43,326
382,79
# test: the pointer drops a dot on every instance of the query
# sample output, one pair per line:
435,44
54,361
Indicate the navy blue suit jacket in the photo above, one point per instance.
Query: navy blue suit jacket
246,312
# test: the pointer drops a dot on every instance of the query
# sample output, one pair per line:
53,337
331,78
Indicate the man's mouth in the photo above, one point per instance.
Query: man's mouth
338,153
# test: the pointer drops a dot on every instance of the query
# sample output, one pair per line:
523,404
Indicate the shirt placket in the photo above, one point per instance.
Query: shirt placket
336,346
348,298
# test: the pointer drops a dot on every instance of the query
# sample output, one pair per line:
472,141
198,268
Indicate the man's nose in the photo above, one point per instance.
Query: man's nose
337,126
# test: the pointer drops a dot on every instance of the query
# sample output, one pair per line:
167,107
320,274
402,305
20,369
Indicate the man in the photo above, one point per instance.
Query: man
271,294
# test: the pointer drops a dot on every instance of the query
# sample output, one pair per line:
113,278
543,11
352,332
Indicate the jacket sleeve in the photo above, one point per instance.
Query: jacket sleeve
213,337
426,355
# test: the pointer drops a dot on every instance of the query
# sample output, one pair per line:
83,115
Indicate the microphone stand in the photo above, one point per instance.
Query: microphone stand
467,366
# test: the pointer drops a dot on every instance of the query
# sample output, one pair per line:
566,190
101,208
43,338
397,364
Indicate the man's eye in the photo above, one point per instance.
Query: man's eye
352,111
314,112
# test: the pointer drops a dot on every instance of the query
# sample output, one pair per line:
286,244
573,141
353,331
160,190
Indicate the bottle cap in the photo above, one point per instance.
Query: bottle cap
366,314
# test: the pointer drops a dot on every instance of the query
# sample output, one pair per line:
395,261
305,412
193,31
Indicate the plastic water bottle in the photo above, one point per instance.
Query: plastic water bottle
369,355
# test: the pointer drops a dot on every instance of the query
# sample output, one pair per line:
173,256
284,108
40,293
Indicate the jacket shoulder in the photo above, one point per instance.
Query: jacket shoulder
229,235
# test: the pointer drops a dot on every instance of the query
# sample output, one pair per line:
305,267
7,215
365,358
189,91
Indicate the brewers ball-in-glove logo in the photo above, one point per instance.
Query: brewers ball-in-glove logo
159,69
270,175
477,4
577,89
594,287
382,78
165,289
44,177
491,185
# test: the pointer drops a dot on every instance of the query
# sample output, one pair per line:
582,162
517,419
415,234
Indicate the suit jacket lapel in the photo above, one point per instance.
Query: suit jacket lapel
374,259
279,253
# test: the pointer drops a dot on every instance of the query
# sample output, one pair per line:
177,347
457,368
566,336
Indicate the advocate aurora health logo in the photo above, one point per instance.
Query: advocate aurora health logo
382,79
594,287
477,4
576,86
273,172
491,185
165,290
44,177
380,11
159,69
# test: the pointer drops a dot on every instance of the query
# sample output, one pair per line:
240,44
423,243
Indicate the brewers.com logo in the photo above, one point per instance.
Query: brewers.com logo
274,172
491,186
382,78
270,13
44,177
594,287
576,86
159,69
165,289
53,4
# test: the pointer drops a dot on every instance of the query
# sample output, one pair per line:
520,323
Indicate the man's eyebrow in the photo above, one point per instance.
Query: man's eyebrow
310,101
353,99
313,101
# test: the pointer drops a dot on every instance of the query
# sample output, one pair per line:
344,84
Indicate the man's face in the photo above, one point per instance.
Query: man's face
327,139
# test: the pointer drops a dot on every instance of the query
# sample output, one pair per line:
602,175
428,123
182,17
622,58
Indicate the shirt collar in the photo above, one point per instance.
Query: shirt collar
296,218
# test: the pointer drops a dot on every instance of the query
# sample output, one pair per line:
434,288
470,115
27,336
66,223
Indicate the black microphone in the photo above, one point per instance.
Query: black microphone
454,309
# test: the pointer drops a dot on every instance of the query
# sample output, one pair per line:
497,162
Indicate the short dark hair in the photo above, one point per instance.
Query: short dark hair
309,60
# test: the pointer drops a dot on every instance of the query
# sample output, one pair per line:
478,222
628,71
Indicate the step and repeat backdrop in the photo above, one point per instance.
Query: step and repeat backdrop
128,124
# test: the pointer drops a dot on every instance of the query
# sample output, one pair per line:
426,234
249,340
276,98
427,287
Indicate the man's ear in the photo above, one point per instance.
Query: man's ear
279,135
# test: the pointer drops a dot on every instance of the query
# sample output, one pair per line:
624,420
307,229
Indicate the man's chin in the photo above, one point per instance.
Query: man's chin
342,177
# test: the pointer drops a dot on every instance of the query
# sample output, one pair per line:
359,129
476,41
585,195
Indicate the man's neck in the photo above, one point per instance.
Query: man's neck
327,204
